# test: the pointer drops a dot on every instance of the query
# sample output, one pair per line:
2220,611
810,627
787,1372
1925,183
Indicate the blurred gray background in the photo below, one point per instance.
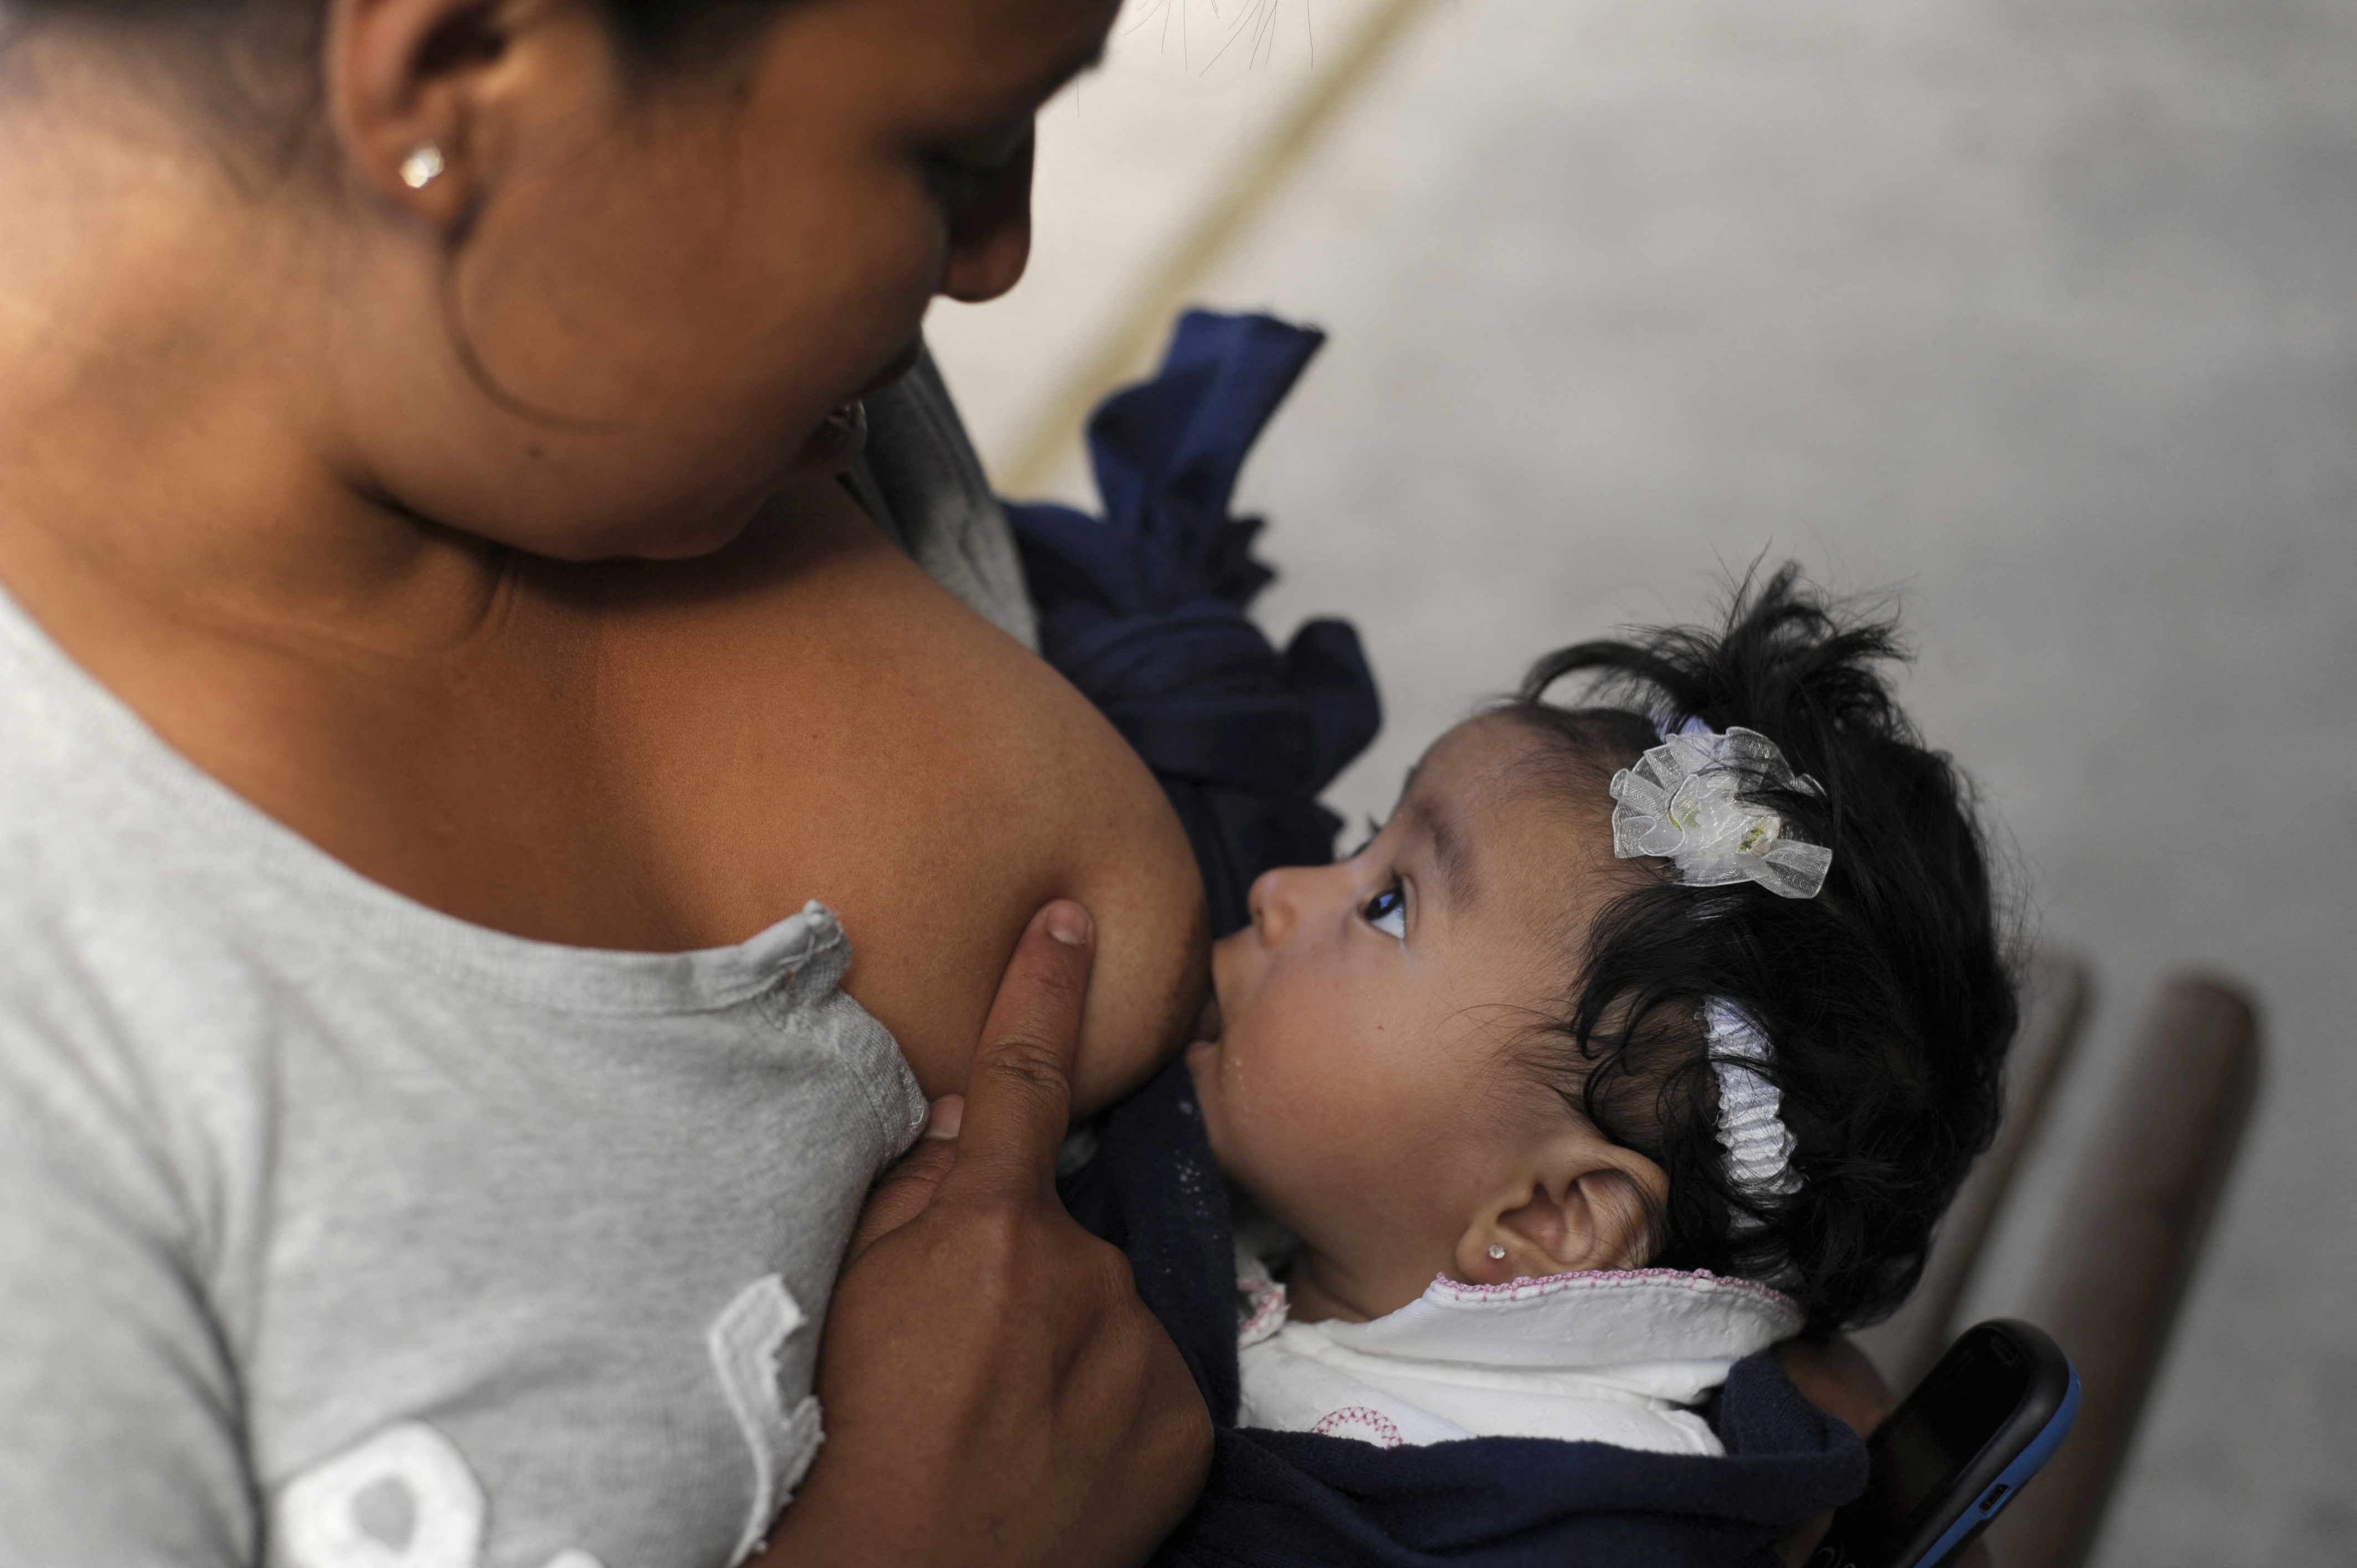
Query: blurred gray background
2042,315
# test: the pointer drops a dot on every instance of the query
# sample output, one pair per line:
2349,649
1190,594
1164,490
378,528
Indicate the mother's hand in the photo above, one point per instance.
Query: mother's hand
996,1392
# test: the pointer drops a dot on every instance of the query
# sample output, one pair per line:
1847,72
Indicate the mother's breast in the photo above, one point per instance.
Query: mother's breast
811,716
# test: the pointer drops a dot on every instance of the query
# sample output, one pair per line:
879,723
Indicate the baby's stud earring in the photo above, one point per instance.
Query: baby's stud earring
422,166
1497,1250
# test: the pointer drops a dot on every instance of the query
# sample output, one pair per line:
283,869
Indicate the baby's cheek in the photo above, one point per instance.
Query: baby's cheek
1254,1146
1331,1176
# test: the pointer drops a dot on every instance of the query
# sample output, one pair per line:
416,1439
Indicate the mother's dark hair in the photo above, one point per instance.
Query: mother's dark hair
1886,999
254,63
652,32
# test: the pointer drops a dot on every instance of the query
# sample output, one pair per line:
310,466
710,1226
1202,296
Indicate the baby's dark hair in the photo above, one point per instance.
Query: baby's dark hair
1886,999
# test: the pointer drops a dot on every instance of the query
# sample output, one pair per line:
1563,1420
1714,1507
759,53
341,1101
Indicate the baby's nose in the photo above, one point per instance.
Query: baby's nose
1276,903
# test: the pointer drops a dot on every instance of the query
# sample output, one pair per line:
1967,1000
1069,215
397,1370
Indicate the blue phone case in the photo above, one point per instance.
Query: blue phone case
1929,1528
2007,1485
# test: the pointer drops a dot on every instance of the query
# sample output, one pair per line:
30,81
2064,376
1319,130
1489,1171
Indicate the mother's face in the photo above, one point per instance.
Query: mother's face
659,291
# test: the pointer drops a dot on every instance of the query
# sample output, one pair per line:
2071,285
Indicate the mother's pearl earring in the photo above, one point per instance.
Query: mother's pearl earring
422,166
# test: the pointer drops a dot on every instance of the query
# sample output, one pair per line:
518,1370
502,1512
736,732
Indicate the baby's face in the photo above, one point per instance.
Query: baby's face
1363,1086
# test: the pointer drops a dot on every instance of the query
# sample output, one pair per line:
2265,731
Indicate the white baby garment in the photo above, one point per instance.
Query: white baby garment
1620,1358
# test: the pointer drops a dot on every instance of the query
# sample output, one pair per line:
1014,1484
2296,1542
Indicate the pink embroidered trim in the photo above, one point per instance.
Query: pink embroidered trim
1701,1281
1332,1422
1268,1305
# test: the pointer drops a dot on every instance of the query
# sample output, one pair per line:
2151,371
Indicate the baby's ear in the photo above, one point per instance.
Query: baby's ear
1595,1208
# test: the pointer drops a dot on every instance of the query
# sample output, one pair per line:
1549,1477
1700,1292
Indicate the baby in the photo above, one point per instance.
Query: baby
1645,1034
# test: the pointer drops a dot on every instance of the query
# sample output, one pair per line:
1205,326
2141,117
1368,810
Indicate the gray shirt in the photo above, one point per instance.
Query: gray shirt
335,1233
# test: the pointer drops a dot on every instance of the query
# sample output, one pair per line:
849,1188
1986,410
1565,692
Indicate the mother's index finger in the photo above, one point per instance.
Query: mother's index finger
1019,1097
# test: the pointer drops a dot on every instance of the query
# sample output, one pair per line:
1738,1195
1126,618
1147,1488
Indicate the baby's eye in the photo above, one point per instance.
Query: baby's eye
1387,911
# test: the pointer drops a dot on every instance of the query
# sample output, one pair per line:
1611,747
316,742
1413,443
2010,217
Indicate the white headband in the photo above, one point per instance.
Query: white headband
1680,801
1758,1145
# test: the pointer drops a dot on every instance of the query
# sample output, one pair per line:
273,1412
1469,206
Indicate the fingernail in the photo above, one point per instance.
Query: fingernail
1068,923
947,1116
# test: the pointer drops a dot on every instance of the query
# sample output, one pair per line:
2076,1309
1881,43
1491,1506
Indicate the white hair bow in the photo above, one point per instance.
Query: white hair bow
1751,1121
1680,801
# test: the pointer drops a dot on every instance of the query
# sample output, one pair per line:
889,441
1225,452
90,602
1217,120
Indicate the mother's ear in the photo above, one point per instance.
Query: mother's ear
425,98
1588,1205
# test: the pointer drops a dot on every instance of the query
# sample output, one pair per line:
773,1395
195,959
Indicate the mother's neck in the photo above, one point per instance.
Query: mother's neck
175,437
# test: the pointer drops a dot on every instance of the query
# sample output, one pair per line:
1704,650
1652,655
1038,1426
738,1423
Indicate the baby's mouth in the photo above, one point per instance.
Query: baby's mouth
1208,1023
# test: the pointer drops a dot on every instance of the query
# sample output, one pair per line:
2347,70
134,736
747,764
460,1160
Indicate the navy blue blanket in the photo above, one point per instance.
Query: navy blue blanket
1145,611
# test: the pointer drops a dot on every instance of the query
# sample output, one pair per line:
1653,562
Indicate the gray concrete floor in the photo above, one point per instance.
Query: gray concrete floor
2044,315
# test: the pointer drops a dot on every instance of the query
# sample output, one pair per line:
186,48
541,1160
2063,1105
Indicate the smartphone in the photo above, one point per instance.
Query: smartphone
1958,1450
